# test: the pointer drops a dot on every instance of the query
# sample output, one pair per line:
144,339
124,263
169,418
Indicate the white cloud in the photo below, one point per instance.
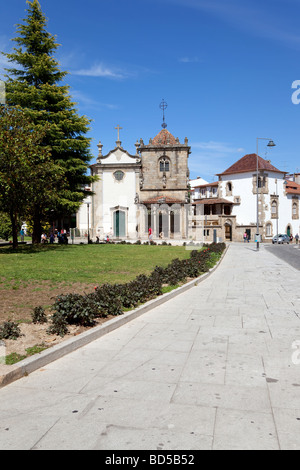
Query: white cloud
188,60
4,63
216,147
101,70
87,102
256,18
209,158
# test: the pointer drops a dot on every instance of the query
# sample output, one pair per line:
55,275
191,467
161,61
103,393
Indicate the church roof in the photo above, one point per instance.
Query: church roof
248,163
165,138
162,200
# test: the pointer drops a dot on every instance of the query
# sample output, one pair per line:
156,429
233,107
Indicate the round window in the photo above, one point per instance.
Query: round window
119,175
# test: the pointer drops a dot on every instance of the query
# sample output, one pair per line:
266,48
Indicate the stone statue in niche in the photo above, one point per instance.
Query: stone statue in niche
141,180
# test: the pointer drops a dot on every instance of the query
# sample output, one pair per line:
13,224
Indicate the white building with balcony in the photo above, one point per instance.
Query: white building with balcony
228,208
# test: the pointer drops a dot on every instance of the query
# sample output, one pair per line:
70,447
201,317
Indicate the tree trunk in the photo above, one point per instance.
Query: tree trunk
14,228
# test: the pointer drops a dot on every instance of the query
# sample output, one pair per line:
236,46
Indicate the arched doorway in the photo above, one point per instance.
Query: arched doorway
228,231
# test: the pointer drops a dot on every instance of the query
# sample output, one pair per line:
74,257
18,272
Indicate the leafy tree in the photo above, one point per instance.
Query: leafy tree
29,179
5,226
35,85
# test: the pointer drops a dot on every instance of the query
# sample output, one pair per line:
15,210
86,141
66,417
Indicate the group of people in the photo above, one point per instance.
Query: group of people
106,239
61,236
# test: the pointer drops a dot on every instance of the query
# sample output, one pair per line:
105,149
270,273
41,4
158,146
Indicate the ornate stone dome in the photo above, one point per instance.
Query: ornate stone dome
165,138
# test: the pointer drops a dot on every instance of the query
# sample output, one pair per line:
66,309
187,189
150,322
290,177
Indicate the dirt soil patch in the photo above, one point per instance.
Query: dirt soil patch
17,304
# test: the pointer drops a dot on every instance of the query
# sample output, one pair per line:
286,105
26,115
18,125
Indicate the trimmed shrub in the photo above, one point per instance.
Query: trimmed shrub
38,315
9,330
216,247
76,309
109,299
59,325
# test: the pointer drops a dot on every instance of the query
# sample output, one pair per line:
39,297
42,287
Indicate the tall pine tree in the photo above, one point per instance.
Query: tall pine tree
35,84
28,176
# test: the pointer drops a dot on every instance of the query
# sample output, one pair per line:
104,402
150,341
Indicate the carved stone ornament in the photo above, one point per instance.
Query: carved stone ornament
141,180
164,179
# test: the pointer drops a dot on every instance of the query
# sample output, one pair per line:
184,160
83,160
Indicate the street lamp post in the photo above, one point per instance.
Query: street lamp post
277,215
270,144
88,221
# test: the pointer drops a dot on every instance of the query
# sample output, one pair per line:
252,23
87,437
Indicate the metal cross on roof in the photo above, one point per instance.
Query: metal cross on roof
118,142
118,129
163,105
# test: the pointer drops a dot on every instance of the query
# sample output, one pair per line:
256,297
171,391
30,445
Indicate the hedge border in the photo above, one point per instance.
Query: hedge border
31,364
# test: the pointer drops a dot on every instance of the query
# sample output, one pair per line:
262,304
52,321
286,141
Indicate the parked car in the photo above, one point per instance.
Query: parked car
281,239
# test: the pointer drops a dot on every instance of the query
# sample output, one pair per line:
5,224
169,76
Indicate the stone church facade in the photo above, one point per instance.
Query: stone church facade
137,192
152,189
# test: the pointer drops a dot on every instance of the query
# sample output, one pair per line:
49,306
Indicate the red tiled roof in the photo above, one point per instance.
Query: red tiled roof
216,183
249,163
213,201
164,138
292,187
162,200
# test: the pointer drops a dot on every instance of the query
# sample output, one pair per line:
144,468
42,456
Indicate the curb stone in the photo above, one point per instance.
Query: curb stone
30,364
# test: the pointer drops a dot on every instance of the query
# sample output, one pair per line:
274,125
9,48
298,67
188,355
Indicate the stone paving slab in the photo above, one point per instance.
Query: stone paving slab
216,367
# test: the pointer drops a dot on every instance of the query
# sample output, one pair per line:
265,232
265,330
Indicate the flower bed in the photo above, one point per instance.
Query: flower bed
113,299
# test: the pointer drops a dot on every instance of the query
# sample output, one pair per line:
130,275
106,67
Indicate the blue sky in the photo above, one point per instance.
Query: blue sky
224,67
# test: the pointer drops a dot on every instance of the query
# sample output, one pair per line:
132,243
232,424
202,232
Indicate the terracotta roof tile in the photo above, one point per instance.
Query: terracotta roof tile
164,138
207,185
162,200
248,163
213,201
292,187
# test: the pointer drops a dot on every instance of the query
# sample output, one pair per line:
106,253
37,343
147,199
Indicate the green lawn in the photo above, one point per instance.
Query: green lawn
95,264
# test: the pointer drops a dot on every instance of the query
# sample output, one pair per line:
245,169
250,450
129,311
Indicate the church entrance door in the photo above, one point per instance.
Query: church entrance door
119,224
228,232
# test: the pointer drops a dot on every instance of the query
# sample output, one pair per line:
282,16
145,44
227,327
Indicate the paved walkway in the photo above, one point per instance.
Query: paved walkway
213,368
